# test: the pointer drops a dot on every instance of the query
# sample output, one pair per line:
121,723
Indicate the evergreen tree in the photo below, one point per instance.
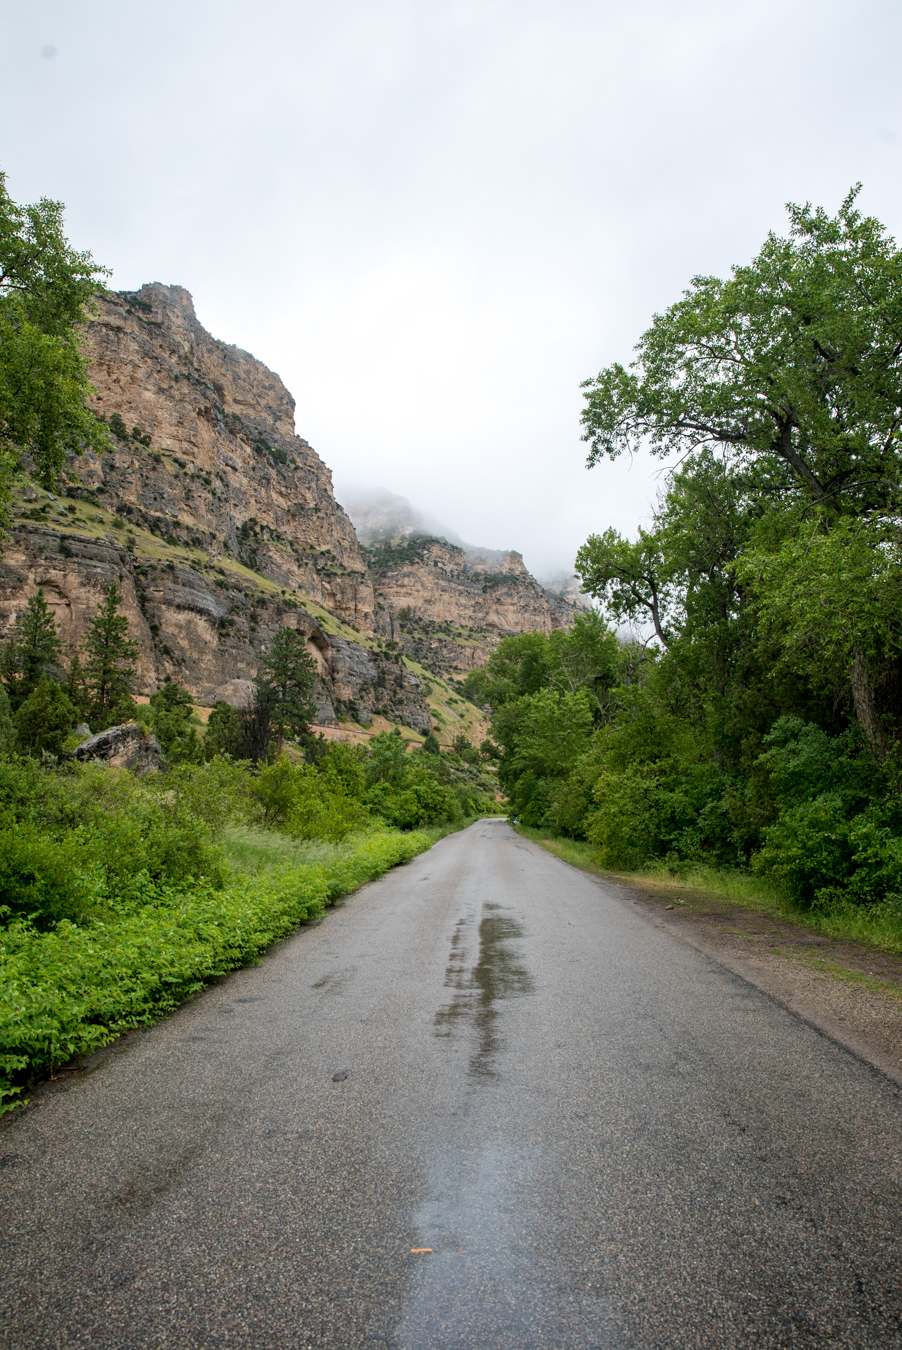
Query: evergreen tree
76,691
173,722
284,683
109,667
7,732
34,646
225,732
44,719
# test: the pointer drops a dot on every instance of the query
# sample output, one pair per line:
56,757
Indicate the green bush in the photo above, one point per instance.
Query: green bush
91,840
44,719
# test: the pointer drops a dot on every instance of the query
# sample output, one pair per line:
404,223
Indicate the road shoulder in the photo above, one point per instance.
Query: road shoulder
849,992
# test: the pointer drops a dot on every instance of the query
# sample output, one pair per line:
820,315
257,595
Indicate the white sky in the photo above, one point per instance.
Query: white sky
434,218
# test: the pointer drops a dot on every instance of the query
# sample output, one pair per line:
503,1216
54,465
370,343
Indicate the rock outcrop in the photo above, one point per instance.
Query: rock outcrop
124,747
449,612
205,452
219,525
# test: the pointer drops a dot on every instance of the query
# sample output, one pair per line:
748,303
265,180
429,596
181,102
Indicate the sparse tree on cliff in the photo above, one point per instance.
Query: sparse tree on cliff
46,289
33,647
109,664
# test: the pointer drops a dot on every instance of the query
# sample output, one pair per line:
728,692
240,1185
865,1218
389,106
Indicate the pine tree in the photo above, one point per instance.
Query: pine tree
43,721
76,691
34,646
109,668
284,683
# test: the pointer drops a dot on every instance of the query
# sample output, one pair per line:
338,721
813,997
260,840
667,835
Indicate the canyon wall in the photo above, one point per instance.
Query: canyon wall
206,455
219,525
448,610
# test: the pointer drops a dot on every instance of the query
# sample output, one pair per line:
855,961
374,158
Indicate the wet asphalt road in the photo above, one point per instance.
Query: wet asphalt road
605,1138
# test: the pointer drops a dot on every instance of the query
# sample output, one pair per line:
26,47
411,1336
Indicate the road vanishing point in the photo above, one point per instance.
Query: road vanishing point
486,1103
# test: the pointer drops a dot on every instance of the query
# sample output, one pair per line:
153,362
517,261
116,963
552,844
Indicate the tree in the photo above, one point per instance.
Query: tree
109,663
791,373
46,292
7,732
33,647
44,719
225,732
173,721
284,683
793,365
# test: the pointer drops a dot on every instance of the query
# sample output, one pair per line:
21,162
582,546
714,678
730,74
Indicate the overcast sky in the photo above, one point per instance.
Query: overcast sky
434,218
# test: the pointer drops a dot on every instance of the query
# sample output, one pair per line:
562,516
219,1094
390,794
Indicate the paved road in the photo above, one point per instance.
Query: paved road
605,1138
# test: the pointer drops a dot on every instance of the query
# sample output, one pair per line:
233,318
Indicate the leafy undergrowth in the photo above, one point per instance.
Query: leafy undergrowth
67,991
877,925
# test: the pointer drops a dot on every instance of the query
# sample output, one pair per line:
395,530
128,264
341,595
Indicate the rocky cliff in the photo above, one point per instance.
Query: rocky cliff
449,607
206,453
219,525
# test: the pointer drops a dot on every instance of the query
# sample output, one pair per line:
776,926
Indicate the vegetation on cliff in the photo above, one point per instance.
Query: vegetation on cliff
759,724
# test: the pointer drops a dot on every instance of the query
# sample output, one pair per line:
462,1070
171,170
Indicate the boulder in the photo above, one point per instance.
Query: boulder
124,747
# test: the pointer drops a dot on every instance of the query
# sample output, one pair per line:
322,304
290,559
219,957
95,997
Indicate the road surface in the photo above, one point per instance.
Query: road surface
603,1137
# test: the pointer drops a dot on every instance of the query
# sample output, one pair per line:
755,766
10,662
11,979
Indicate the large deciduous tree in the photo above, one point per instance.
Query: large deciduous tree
46,291
780,389
793,364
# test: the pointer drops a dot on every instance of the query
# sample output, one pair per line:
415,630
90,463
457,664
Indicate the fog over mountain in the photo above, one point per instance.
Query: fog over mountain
380,514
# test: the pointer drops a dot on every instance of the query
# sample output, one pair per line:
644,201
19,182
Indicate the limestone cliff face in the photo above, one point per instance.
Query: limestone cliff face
448,610
219,525
207,634
206,452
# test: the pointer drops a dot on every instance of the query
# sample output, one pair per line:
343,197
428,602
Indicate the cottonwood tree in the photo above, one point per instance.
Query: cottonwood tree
786,379
794,364
46,294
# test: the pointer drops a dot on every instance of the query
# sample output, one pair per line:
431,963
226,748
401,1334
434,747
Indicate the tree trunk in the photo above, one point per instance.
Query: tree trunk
865,705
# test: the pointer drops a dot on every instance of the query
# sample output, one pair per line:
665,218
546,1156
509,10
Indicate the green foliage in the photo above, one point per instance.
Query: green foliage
284,683
794,365
757,716
216,792
93,841
44,719
46,292
171,717
109,664
7,731
225,732
32,651
387,760
431,744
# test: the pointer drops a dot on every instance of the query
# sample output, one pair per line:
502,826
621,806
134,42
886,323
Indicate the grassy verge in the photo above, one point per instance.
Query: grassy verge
878,926
70,990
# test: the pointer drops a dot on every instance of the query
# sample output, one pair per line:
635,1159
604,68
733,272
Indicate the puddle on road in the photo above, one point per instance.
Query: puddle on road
481,987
